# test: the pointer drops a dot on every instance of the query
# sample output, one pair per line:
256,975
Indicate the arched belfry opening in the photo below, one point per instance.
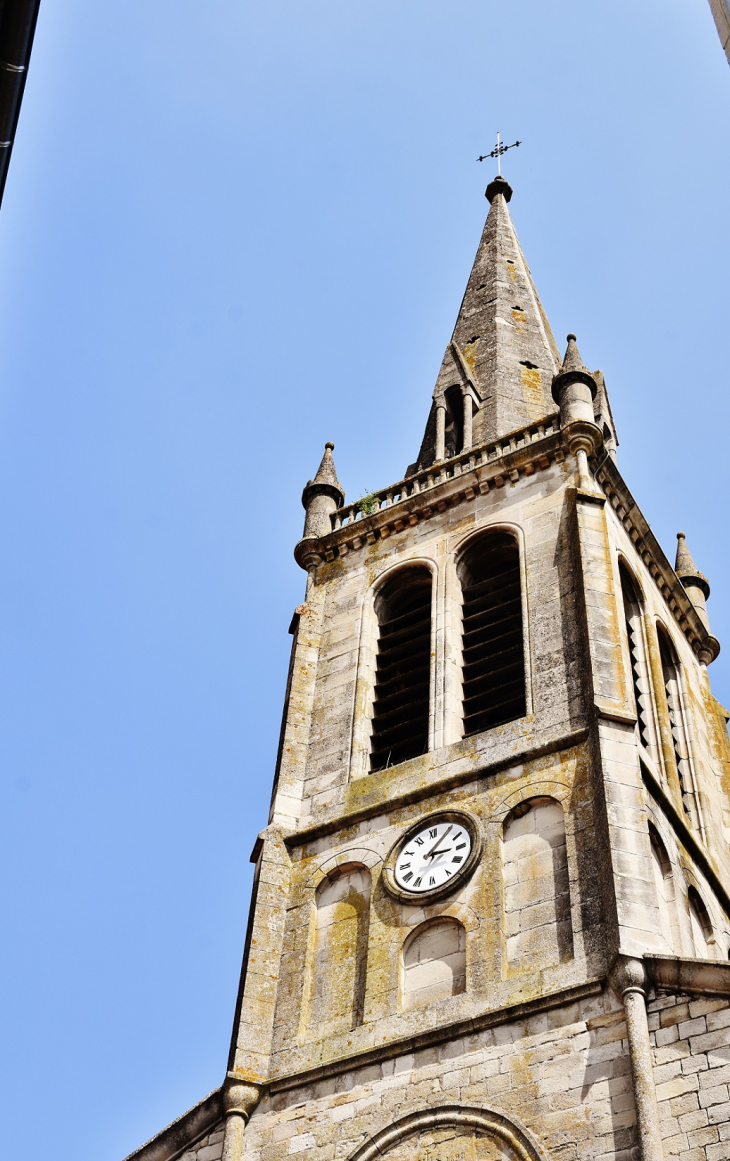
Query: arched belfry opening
674,699
403,668
633,616
493,651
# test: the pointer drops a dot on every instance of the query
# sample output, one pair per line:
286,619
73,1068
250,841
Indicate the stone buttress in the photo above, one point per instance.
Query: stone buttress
494,657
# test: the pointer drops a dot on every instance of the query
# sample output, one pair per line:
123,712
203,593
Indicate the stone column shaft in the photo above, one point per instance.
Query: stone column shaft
440,429
239,1101
647,1113
629,979
468,411
233,1140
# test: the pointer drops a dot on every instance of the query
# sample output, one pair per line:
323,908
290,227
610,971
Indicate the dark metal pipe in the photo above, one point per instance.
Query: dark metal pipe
17,27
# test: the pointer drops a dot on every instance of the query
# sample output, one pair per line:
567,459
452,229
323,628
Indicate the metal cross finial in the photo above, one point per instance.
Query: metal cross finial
500,149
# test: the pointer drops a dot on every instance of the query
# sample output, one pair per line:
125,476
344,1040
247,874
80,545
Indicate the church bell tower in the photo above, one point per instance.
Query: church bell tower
490,919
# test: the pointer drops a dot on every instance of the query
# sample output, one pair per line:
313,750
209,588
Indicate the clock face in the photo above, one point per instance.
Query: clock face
432,856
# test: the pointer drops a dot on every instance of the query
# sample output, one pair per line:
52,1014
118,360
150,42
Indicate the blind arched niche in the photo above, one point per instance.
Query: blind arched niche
337,953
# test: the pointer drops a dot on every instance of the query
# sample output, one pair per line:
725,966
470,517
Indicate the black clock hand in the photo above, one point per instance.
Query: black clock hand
439,840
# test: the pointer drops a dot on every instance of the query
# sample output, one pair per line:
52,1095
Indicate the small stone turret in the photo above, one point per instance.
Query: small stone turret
574,389
321,497
697,588
695,582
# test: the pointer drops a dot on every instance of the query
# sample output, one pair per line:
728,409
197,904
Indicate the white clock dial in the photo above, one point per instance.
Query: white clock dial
432,856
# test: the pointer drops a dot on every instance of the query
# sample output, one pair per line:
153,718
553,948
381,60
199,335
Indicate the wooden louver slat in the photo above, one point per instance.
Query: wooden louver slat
402,678
493,664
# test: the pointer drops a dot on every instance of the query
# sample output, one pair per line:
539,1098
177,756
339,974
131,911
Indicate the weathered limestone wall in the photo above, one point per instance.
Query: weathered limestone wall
562,1074
643,784
557,914
671,883
339,735
690,1036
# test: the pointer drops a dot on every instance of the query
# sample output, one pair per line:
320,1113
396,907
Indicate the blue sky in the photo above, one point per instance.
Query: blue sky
230,233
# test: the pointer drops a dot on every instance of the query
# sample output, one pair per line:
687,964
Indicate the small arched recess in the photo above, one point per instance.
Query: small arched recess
337,951
664,887
700,924
434,962
537,921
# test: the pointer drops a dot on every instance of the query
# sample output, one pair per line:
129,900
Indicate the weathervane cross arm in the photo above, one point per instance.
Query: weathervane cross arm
497,152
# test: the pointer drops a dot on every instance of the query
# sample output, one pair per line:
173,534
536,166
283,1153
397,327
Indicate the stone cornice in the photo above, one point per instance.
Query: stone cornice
697,976
648,547
460,774
491,466
457,480
438,1035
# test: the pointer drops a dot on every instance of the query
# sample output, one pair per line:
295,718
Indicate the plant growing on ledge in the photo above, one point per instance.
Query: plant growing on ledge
369,503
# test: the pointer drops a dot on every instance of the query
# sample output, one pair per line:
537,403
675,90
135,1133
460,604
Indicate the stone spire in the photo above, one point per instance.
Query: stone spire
695,583
321,497
496,373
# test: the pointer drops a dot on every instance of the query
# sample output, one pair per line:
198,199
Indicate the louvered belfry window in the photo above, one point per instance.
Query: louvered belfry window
675,708
403,669
637,658
493,658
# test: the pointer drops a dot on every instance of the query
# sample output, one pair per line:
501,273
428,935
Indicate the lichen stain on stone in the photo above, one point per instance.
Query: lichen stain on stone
532,391
518,317
470,354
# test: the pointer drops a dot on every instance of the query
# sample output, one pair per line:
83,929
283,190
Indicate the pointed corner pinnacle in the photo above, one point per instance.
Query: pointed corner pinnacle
573,369
572,360
321,498
498,186
685,567
325,483
327,472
